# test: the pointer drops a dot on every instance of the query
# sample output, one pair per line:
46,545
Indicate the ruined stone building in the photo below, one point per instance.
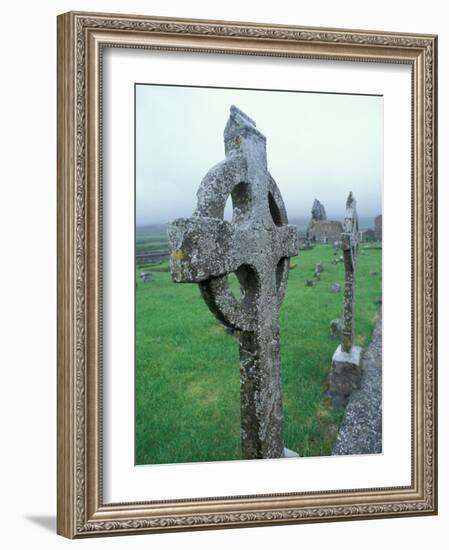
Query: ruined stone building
378,227
321,229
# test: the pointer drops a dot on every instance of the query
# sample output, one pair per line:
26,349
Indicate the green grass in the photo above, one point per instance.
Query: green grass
187,368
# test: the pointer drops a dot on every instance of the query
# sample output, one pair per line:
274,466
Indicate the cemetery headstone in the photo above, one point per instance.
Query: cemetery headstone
336,327
336,287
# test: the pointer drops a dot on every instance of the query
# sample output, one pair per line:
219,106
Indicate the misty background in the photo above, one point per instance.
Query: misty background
318,146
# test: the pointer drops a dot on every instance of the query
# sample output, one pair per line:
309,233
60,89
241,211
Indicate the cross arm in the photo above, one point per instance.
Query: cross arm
286,241
200,248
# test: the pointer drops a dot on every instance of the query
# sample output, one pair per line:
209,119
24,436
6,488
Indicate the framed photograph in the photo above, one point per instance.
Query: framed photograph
247,274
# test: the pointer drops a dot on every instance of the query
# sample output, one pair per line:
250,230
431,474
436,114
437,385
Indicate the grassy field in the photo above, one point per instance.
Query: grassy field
150,238
187,368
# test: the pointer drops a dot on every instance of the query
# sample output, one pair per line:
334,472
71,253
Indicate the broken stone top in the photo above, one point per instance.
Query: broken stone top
241,134
350,235
350,201
318,211
351,224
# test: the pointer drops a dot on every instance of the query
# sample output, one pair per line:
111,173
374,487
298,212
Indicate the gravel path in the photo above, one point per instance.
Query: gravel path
361,429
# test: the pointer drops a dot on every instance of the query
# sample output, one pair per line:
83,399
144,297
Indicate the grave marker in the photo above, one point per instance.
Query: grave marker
256,246
345,370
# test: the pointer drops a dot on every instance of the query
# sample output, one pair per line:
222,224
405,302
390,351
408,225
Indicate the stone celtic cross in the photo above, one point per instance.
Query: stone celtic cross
256,246
345,371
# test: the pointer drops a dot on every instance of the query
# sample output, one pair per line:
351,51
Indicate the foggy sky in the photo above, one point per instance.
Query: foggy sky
318,145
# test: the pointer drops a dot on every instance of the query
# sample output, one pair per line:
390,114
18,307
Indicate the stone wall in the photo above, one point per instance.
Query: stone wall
324,231
153,257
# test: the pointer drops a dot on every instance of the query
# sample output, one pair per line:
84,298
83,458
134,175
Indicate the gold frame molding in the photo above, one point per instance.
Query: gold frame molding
81,37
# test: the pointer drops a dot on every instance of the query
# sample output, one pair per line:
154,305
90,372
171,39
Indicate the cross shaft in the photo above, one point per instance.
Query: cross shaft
350,249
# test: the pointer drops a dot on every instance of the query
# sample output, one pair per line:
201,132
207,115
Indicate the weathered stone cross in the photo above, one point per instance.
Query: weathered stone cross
350,246
345,371
256,246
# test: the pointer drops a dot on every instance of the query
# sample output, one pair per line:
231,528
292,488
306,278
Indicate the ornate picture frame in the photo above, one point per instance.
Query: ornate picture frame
82,40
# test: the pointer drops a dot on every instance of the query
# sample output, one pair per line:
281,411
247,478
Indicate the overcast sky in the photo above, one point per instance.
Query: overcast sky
318,145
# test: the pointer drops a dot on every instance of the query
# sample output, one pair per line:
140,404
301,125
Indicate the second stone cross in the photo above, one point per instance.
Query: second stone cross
346,363
256,246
